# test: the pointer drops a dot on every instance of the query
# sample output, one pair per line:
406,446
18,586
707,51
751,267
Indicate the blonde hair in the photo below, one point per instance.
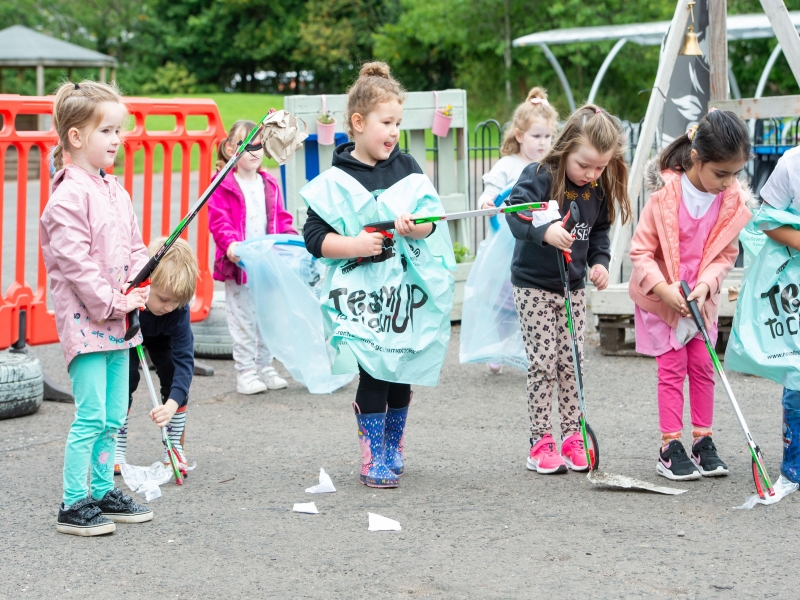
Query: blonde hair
535,105
374,85
592,126
78,105
223,156
177,270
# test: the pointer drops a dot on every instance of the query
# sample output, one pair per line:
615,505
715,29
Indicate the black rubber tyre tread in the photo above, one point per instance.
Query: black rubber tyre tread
213,351
21,385
593,445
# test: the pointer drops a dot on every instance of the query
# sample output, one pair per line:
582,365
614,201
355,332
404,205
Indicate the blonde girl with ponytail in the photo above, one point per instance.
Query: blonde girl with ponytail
527,139
92,248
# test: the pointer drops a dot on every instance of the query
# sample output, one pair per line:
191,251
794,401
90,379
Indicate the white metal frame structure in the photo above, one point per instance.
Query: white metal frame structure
740,27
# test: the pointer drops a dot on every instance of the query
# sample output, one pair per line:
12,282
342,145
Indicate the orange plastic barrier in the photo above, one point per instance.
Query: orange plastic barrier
20,295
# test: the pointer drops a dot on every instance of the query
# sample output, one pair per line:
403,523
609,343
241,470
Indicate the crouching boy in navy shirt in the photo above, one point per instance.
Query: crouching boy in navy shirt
168,340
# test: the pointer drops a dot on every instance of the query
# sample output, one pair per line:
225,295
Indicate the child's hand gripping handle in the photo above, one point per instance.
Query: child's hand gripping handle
141,280
569,222
698,318
380,227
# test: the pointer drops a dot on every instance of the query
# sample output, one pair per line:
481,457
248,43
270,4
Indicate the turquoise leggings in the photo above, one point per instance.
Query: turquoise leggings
100,386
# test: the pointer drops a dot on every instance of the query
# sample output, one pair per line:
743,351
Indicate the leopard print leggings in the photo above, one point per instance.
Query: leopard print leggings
543,320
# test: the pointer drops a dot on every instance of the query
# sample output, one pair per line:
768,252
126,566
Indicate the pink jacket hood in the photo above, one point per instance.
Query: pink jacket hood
655,246
92,247
226,220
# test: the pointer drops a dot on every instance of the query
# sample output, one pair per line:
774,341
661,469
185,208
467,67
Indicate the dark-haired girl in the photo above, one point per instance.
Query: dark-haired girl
688,230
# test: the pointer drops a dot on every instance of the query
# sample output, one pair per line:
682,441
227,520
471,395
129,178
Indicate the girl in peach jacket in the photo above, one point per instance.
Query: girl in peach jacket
688,230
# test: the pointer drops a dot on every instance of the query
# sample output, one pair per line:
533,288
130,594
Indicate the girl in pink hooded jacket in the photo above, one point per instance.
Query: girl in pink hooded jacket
92,248
246,205
688,230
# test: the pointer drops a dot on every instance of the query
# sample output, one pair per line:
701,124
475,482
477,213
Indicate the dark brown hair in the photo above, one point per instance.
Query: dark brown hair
592,126
374,85
721,136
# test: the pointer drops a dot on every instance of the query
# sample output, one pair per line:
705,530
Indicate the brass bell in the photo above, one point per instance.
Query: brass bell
691,47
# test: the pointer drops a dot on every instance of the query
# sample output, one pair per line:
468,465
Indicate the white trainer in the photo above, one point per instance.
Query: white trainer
249,383
274,381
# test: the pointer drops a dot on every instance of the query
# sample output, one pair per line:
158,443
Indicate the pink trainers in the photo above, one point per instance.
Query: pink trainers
574,453
544,458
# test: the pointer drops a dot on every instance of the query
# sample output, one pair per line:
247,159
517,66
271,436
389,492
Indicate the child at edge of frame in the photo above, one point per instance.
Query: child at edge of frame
688,230
586,165
92,248
167,337
782,192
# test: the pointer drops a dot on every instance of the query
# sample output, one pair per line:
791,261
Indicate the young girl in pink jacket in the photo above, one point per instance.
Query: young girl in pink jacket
246,205
92,248
688,230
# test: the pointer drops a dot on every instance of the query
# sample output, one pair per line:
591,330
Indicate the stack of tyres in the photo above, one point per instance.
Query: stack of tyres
212,339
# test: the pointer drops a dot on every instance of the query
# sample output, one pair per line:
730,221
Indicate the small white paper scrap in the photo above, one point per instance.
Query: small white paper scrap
379,523
308,508
325,485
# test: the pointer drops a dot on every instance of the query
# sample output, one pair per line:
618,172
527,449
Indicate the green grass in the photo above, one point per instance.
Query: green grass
232,107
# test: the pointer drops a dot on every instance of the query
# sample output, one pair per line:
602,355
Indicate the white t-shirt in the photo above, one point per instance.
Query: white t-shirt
782,189
696,202
255,202
504,173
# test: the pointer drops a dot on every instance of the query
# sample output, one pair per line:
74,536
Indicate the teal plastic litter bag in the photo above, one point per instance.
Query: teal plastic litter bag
286,282
490,330
390,317
765,339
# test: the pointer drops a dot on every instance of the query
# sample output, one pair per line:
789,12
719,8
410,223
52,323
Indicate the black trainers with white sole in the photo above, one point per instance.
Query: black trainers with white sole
674,464
83,518
122,509
704,456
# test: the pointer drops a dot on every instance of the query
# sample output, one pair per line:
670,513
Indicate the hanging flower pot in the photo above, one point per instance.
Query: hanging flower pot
326,126
441,118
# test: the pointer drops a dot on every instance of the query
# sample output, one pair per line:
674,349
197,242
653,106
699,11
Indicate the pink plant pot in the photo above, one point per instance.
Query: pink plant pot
326,133
441,124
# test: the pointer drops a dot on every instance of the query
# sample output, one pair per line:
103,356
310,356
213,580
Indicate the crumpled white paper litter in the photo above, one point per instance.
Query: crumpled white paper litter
325,485
783,487
145,481
379,523
308,508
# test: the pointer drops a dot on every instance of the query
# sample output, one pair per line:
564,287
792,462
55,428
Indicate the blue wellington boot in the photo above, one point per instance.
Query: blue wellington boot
374,472
395,436
790,465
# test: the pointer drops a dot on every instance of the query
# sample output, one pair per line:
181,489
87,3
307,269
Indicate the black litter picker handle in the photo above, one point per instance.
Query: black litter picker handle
573,216
698,318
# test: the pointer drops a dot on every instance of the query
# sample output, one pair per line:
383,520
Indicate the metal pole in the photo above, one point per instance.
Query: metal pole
604,67
560,72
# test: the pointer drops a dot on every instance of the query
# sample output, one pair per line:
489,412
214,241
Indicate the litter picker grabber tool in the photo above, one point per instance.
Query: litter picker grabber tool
760,476
589,439
383,226
174,459
246,145
590,444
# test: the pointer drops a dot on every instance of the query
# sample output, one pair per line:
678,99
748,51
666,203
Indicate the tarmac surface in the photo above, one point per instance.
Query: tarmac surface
475,522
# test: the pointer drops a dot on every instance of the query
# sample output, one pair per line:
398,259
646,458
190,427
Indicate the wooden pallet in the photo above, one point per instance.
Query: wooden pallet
614,310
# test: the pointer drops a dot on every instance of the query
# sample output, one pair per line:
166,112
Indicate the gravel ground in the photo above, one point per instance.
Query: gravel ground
476,523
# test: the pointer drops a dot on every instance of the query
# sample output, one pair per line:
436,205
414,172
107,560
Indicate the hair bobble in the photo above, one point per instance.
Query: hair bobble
77,87
597,110
542,101
712,109
691,132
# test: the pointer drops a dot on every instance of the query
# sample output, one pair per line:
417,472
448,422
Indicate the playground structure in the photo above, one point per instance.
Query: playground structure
613,307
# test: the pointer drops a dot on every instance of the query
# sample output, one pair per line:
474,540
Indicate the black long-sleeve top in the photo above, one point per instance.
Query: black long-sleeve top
535,262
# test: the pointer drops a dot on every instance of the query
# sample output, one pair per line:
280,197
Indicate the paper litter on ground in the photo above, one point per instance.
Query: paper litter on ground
783,487
598,477
308,508
325,485
379,523
145,480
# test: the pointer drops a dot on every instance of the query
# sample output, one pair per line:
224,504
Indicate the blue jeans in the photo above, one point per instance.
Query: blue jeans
790,465
100,386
